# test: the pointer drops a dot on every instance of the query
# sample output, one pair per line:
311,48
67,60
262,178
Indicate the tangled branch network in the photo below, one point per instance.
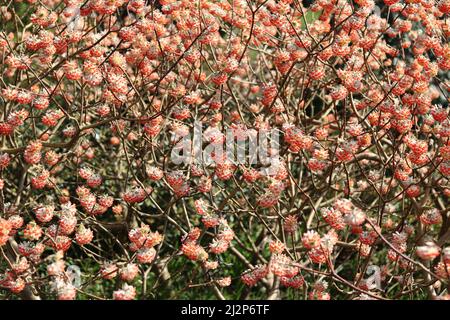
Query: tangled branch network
100,99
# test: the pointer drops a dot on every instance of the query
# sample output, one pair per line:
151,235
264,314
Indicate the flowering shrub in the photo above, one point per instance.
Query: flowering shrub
96,96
